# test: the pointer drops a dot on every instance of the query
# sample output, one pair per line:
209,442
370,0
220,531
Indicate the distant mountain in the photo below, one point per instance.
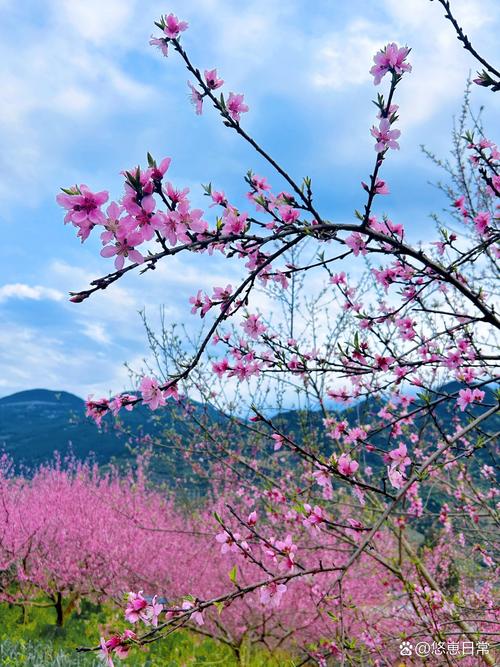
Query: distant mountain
447,414
36,423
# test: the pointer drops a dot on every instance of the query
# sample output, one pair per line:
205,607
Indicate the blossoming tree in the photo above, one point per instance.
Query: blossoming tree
411,459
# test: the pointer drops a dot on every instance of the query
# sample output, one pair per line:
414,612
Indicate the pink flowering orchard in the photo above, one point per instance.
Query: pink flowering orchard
365,524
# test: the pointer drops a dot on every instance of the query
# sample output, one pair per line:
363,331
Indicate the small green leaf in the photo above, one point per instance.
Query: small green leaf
75,190
219,606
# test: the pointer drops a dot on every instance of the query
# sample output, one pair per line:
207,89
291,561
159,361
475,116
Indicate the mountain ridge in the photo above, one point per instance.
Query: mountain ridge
41,395
36,423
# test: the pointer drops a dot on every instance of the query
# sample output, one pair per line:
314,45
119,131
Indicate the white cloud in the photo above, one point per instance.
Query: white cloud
34,292
440,64
69,72
78,65
96,332
343,58
42,360
96,21
53,77
414,14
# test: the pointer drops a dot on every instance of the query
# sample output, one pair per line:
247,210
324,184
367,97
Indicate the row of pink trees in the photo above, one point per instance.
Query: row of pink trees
408,458
70,533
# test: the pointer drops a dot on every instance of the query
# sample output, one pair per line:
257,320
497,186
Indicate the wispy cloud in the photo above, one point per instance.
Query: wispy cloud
57,69
343,57
41,360
96,332
34,292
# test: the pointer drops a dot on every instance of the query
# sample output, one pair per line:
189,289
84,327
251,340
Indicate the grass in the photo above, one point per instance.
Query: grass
36,641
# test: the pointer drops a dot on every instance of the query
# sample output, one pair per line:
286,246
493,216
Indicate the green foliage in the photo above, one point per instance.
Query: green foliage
233,575
33,640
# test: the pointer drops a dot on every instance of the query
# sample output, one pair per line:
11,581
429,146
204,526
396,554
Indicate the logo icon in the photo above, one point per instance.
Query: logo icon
405,648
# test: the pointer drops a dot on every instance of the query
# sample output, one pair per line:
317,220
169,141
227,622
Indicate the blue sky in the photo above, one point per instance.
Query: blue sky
84,96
